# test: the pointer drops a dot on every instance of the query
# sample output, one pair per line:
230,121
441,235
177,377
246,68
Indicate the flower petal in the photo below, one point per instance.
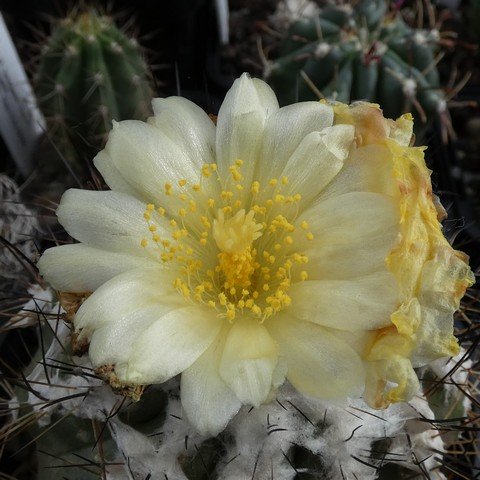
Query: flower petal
320,155
248,361
284,131
124,294
240,124
188,125
79,268
319,364
353,235
112,344
146,158
111,221
170,345
207,400
364,303
104,164
368,169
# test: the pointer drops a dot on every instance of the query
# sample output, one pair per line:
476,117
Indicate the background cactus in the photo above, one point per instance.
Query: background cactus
89,74
359,52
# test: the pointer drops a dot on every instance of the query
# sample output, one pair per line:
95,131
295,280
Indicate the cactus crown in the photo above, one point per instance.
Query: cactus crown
90,73
364,52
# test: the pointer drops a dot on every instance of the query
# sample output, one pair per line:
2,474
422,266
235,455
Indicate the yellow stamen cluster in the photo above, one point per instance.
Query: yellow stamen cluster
233,252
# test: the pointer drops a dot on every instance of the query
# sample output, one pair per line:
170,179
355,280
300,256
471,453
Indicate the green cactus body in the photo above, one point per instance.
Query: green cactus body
360,53
90,73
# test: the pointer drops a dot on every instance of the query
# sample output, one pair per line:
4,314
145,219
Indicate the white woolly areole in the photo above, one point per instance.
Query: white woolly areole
380,48
289,11
409,87
322,50
442,106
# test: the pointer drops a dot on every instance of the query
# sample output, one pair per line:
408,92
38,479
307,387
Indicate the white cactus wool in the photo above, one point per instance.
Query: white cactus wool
297,243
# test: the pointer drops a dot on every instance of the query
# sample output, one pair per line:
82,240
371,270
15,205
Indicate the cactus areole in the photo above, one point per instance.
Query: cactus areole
248,252
364,52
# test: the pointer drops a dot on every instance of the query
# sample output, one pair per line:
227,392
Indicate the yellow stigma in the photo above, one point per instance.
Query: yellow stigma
234,251
237,233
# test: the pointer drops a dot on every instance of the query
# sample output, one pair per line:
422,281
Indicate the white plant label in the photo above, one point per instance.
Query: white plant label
21,122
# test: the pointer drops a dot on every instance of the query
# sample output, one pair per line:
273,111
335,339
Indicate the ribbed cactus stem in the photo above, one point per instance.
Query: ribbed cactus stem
364,52
90,73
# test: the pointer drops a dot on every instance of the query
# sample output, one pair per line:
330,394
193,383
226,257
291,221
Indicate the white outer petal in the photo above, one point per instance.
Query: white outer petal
240,124
111,221
124,294
208,402
353,234
364,303
112,343
104,164
319,363
338,219
170,345
368,169
80,268
146,158
317,160
188,125
284,131
248,361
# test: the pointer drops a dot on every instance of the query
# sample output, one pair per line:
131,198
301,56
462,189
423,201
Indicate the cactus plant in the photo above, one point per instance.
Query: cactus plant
90,73
360,52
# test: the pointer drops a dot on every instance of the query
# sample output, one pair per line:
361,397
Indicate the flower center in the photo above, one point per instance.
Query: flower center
234,250
234,237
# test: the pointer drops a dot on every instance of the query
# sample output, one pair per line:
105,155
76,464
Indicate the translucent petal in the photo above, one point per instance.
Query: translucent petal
170,345
240,124
111,221
112,344
364,303
284,131
353,235
188,125
207,400
104,164
315,158
79,268
248,361
146,158
368,169
124,294
319,363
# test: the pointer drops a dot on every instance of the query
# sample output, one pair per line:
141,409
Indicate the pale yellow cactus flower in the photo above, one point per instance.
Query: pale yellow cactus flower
299,243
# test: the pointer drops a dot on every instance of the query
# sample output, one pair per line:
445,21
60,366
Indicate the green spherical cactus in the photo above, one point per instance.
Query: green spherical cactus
361,52
89,74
